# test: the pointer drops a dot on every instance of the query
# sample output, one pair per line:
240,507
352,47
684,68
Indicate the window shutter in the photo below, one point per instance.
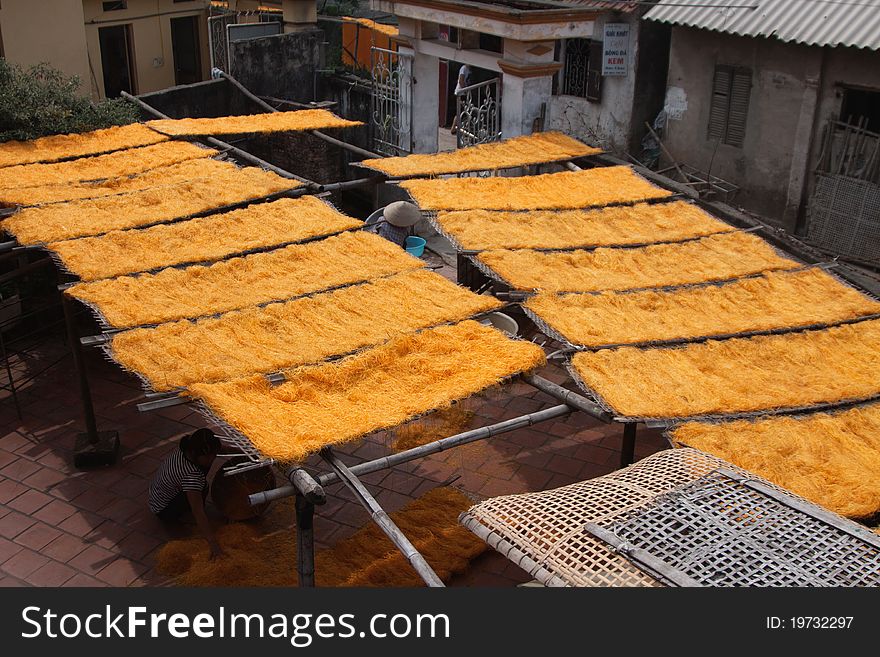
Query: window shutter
740,89
594,72
720,102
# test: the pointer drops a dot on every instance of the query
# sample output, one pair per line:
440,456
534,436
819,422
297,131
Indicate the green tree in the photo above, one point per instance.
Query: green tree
43,101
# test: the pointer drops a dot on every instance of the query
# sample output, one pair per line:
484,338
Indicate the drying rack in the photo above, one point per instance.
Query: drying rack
677,518
306,488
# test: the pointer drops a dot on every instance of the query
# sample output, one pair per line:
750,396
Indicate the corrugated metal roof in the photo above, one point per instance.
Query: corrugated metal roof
608,5
812,22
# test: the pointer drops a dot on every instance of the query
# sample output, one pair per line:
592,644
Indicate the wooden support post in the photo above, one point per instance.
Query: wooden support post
305,541
306,485
628,447
92,447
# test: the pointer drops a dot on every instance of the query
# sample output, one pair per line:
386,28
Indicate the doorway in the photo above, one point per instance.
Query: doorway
186,50
117,60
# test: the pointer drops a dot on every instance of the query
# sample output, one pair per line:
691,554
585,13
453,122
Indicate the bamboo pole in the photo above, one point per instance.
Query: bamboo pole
512,553
165,402
357,150
684,178
305,541
320,135
348,184
234,150
382,519
568,397
306,485
320,104
422,451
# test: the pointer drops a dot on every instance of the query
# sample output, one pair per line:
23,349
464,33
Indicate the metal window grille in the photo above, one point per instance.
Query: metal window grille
582,72
729,106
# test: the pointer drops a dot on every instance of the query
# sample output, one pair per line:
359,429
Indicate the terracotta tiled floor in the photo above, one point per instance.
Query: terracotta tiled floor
60,526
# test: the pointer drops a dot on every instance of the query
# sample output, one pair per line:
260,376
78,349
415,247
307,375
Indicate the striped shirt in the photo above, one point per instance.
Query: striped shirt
176,475
390,232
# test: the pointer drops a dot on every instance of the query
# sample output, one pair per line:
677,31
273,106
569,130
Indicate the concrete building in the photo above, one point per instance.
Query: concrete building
608,106
752,90
547,58
131,45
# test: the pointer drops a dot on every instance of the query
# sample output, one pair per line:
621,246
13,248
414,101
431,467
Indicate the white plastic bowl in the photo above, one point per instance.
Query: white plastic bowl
502,322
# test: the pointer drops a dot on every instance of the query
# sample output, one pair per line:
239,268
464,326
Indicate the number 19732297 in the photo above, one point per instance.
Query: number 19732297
809,623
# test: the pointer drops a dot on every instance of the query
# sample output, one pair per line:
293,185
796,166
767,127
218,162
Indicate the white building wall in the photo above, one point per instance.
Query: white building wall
607,123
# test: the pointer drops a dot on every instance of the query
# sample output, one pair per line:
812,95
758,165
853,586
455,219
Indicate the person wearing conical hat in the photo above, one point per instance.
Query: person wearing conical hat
395,222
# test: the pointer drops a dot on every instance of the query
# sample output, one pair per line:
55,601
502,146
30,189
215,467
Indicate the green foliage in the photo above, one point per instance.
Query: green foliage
339,7
43,101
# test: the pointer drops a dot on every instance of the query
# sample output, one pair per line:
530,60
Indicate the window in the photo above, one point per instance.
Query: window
729,108
114,6
447,33
491,43
861,106
582,69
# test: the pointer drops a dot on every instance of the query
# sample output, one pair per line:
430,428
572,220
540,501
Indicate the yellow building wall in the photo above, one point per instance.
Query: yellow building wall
151,36
49,31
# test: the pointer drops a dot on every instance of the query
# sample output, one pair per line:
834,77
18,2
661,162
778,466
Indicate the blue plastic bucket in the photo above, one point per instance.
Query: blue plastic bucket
415,246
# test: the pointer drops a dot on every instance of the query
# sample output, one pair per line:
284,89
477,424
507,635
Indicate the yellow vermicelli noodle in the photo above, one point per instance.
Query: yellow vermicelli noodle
832,459
174,173
388,30
642,223
713,258
202,239
773,301
568,189
738,375
201,290
101,167
305,330
60,147
377,388
63,221
309,119
519,151
367,558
